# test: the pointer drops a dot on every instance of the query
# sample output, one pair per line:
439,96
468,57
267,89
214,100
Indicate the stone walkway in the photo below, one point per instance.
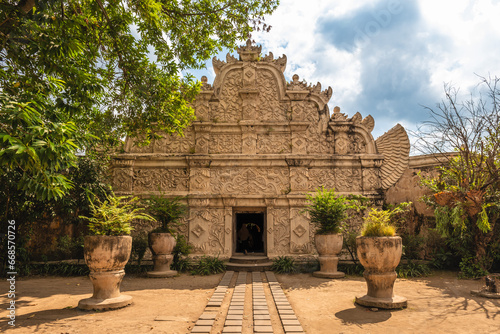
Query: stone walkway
247,303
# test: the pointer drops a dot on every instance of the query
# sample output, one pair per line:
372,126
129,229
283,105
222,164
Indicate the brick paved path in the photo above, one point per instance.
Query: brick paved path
238,306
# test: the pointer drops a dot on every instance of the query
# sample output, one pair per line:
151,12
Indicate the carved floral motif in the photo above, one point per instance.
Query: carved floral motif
229,107
318,141
225,143
319,177
122,179
163,179
273,144
348,180
207,231
249,180
269,105
199,179
174,143
281,230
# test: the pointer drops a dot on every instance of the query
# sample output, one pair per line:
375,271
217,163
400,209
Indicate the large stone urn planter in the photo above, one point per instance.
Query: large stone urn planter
329,247
380,256
106,257
162,245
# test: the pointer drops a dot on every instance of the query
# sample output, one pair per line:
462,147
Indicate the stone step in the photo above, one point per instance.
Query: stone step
249,266
249,259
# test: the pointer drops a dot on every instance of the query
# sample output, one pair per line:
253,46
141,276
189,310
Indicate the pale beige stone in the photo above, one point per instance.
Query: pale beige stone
259,144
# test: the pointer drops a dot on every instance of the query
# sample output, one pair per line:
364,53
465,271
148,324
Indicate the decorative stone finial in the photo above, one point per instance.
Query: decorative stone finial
249,52
336,109
204,84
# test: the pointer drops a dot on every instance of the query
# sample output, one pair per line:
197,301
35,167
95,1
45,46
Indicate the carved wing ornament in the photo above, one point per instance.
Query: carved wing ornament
395,146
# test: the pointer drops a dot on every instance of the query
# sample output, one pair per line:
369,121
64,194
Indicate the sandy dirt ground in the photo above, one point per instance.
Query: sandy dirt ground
436,304
440,303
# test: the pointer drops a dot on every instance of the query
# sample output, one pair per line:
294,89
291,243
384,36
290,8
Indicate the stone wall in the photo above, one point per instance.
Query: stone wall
260,144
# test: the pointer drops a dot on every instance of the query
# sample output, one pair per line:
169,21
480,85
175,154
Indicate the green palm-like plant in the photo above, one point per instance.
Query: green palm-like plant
168,211
327,210
112,216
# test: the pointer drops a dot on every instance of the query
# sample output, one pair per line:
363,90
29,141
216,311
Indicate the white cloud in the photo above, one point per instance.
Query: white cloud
397,63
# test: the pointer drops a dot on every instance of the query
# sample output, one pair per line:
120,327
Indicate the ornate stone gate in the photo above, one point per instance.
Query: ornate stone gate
261,142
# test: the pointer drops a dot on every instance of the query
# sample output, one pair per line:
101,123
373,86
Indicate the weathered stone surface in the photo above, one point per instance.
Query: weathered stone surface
380,256
106,257
261,143
328,246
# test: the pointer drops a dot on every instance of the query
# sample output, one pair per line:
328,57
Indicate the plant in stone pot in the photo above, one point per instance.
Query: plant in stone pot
327,210
108,248
379,250
167,211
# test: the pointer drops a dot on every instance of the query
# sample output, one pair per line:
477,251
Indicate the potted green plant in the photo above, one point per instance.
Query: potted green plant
327,211
379,250
107,249
167,211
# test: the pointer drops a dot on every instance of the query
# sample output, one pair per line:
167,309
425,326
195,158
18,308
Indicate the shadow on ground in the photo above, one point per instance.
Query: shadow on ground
359,315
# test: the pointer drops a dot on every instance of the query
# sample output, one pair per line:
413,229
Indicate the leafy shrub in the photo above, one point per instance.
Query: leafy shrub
139,246
113,215
470,268
443,258
380,223
181,250
352,269
284,265
208,265
328,210
167,211
412,269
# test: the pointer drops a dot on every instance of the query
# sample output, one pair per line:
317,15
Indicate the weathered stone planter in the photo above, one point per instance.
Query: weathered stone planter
380,256
328,246
162,245
106,257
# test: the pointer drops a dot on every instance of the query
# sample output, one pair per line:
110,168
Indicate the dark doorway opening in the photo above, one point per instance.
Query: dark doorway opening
250,232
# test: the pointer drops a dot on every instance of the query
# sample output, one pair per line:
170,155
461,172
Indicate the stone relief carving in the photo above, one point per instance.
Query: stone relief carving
371,179
122,179
299,177
229,107
207,230
225,143
279,63
174,143
199,179
249,96
281,230
163,179
270,108
318,141
273,143
348,180
300,243
322,177
249,180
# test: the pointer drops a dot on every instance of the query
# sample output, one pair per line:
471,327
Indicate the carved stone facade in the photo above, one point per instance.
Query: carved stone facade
258,146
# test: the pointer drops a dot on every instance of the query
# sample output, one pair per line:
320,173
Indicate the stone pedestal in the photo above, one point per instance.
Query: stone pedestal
162,264
106,257
328,246
380,256
162,245
106,291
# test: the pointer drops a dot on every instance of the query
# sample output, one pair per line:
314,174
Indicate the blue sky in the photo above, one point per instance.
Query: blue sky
386,58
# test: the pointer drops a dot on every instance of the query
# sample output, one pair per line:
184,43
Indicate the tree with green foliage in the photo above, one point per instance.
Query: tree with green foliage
85,73
466,194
